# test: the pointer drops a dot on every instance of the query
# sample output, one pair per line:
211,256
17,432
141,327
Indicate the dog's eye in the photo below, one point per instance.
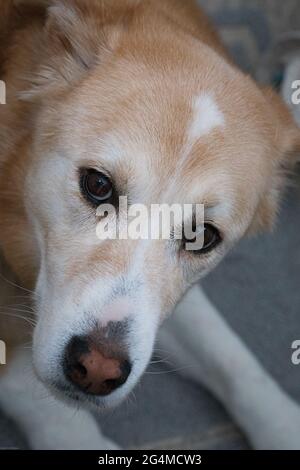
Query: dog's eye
212,238
95,186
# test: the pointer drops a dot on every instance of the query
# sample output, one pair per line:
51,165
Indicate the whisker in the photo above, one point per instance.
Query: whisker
20,317
18,306
29,315
22,305
159,351
169,371
160,361
13,284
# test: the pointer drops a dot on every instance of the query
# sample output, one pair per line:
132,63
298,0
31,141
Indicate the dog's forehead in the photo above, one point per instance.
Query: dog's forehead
178,162
161,142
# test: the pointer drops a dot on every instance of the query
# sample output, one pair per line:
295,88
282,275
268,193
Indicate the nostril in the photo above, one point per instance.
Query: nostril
126,370
110,385
74,368
80,369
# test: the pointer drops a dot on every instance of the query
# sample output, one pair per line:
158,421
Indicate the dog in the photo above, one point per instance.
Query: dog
136,98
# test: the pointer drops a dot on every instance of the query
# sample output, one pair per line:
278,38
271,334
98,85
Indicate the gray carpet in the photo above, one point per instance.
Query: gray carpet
256,288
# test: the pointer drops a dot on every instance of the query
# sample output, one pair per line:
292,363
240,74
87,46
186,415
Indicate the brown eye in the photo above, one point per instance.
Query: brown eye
96,187
212,238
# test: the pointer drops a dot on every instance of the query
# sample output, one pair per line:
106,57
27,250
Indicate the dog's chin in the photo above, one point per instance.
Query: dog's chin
75,398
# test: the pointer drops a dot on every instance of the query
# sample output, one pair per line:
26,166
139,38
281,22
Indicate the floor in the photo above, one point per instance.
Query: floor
264,271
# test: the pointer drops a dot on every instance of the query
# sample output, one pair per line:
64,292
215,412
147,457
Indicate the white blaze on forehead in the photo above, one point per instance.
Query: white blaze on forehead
206,117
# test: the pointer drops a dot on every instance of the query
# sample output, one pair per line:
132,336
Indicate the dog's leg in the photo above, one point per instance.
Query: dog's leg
209,351
47,423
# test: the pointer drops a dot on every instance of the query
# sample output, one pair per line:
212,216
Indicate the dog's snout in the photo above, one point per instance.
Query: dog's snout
94,368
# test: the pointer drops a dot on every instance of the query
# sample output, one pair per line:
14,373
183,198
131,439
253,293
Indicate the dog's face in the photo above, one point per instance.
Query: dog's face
181,127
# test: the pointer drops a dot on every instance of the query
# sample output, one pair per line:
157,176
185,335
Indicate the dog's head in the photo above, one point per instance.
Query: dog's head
128,106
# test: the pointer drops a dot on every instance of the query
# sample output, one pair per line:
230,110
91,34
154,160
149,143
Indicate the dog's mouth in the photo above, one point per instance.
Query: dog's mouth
71,394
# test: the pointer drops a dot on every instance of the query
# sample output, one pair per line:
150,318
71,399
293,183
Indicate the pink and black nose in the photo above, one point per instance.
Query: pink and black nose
96,367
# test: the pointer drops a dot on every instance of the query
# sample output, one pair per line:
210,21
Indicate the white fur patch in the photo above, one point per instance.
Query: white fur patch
206,117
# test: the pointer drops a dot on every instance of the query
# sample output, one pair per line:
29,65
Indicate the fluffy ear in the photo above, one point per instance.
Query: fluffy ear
77,35
285,156
288,137
79,29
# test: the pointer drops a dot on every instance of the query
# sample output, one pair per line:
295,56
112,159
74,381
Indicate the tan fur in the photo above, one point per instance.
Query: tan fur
132,66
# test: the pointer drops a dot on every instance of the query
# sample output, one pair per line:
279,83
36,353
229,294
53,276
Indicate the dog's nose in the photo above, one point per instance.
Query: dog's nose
93,370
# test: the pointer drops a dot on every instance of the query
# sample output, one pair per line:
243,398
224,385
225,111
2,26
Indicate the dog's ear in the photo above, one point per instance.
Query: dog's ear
288,135
81,29
285,154
78,34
